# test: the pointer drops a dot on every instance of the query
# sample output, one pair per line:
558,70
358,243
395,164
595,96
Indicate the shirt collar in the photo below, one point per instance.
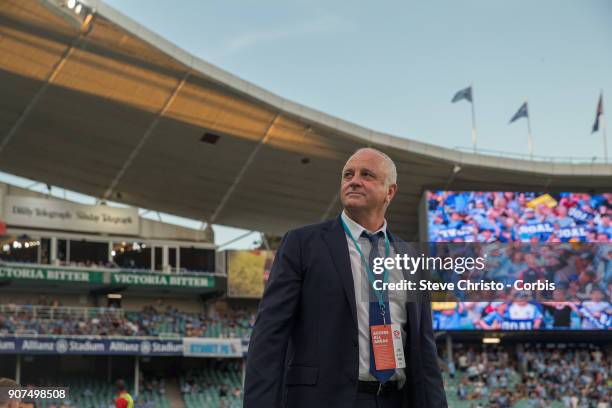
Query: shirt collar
356,229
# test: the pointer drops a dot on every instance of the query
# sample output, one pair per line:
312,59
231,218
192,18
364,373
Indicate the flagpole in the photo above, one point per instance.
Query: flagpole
603,130
474,134
529,138
605,139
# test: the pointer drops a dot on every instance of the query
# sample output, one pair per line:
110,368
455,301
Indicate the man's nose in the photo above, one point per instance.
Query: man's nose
355,182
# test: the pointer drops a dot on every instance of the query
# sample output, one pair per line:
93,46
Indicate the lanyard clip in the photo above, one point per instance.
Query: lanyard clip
380,387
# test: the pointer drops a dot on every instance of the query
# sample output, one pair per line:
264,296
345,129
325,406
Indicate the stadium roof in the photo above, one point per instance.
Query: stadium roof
101,105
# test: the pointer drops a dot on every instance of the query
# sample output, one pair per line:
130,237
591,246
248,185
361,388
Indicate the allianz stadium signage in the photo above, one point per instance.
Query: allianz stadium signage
90,346
98,278
82,345
64,215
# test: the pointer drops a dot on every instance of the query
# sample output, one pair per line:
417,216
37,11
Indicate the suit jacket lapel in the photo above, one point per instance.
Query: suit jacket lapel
335,239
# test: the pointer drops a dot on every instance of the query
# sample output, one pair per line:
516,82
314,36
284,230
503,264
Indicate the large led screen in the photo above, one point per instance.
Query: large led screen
513,224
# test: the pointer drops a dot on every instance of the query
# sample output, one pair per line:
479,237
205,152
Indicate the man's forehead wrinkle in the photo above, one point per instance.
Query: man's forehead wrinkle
361,168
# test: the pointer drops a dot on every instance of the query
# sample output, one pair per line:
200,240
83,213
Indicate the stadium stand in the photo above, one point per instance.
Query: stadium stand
58,320
529,375
87,392
218,384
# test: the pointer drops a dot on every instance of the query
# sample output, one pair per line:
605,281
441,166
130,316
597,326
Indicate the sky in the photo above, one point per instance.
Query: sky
394,66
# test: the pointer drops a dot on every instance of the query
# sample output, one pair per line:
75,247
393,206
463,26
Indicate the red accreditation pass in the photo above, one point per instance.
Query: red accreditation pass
382,345
387,346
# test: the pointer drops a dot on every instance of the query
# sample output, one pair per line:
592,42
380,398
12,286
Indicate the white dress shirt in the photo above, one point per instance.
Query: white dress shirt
397,300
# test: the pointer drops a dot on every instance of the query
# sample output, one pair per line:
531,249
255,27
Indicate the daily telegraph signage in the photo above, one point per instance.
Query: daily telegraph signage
63,215
50,274
161,280
90,346
93,277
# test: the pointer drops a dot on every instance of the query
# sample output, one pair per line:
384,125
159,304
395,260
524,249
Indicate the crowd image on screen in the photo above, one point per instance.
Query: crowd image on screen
560,238
460,216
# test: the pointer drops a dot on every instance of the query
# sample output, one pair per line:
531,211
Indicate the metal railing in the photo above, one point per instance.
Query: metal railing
539,158
24,334
59,312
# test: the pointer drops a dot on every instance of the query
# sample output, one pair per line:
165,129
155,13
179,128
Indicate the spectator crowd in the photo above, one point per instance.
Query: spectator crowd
538,377
152,320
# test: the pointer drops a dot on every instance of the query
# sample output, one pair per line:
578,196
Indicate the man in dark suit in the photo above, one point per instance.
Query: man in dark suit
312,342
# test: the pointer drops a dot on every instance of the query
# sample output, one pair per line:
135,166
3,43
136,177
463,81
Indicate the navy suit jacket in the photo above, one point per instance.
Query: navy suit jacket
304,349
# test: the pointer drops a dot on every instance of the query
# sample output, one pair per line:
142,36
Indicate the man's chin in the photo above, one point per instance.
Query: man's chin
355,205
355,199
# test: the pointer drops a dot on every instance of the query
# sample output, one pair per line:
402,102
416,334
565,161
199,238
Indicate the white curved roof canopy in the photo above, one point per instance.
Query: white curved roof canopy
120,112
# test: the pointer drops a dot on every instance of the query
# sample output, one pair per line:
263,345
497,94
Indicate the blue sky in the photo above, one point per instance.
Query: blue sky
393,66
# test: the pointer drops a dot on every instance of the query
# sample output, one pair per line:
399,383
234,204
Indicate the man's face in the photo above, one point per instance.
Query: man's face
363,184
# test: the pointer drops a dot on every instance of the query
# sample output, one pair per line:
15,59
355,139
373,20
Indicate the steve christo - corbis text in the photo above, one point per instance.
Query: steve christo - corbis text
459,265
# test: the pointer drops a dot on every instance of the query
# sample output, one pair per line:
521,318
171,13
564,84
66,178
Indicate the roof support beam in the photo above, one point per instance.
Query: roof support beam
243,170
36,98
152,126
330,207
236,239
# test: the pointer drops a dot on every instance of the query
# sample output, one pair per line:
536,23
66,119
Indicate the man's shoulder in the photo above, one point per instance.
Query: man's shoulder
311,229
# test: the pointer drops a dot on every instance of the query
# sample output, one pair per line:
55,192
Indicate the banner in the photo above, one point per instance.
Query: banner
247,272
209,347
63,215
451,233
90,346
50,274
536,228
161,280
579,215
570,233
93,277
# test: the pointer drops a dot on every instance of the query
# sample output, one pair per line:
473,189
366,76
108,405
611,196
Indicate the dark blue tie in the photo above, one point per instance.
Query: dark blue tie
376,318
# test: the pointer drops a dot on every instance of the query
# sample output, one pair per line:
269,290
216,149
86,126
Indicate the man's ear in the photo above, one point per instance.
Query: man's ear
391,191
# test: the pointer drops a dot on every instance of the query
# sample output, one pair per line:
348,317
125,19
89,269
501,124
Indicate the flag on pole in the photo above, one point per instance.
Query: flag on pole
523,112
463,94
598,114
